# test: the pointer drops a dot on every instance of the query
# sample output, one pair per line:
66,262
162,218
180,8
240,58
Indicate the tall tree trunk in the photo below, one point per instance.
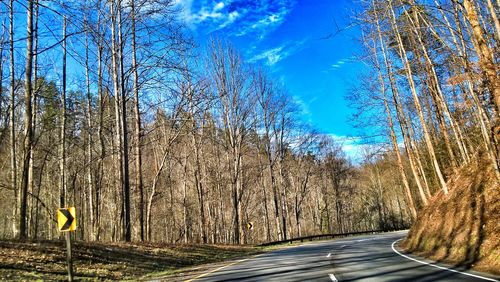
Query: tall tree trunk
279,235
28,134
138,133
220,191
284,208
198,170
282,175
184,201
102,145
35,109
12,105
236,184
148,228
62,136
267,224
127,225
89,170
117,96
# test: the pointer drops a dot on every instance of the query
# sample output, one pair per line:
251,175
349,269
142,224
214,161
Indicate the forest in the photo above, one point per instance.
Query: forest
113,108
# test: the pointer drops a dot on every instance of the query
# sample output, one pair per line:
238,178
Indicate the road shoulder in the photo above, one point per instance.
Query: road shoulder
453,268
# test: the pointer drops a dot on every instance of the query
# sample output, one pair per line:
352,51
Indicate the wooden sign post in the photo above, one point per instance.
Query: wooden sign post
66,222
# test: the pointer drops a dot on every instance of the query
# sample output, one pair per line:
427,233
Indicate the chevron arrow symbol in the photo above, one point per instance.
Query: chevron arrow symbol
70,218
66,219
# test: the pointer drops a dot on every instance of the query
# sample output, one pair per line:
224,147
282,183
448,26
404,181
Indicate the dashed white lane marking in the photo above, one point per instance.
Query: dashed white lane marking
342,246
333,278
438,266
329,255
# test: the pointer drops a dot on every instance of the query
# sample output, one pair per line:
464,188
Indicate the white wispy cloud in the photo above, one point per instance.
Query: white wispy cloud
239,17
272,56
267,17
231,18
205,13
338,64
276,54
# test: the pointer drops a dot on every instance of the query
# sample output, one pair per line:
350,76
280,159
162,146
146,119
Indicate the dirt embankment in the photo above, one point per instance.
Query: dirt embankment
462,228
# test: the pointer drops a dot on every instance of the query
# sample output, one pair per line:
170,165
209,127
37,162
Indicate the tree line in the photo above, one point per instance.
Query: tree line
110,106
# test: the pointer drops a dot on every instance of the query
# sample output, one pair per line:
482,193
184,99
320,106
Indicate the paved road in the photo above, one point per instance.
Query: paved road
364,258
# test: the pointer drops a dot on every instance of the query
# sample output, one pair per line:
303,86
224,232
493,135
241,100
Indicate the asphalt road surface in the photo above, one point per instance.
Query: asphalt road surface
363,258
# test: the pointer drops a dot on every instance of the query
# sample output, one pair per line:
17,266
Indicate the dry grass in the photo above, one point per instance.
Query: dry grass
45,260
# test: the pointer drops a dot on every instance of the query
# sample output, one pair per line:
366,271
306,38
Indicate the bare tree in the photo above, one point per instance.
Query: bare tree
28,134
236,102
12,122
409,75
138,131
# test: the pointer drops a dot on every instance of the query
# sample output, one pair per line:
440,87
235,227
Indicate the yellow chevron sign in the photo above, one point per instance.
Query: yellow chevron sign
66,219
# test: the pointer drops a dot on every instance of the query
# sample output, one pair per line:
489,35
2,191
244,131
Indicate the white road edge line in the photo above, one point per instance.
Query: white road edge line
438,266
333,278
329,255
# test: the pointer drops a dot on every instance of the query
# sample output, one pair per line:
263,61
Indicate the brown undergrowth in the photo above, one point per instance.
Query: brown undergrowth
45,260
462,228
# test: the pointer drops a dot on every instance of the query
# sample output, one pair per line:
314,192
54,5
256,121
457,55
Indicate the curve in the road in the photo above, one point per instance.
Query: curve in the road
366,258
438,266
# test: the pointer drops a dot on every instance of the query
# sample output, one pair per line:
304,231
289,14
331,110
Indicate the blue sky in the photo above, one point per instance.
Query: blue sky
292,39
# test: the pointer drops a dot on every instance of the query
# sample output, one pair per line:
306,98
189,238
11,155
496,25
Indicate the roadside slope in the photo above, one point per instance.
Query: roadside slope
45,260
462,228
